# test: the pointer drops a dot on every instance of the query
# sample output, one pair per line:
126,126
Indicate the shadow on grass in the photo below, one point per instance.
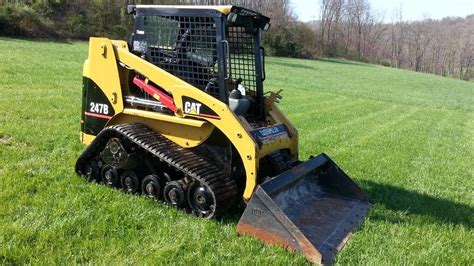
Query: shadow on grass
343,62
284,62
38,40
232,217
281,62
398,199
438,209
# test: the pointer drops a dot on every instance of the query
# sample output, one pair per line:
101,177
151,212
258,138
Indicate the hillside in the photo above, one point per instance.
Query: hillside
405,137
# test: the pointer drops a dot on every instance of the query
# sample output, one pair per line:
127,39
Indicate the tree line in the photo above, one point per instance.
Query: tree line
351,29
348,29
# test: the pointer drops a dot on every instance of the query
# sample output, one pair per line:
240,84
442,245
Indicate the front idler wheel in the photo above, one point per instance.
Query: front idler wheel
201,200
130,182
174,194
91,171
110,176
152,187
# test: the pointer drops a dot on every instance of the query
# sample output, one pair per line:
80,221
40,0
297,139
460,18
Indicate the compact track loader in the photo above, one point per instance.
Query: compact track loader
178,113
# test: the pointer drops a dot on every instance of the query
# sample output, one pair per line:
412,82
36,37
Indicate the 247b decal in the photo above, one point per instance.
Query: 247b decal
99,108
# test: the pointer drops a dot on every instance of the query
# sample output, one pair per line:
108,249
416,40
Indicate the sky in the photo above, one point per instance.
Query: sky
307,10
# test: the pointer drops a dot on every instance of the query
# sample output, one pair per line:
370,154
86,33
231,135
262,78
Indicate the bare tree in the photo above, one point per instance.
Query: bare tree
360,15
331,15
397,29
466,54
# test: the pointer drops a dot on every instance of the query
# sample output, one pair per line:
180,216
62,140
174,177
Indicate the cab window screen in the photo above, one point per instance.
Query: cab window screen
186,47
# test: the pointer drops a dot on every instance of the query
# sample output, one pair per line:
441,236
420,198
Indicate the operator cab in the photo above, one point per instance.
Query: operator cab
216,49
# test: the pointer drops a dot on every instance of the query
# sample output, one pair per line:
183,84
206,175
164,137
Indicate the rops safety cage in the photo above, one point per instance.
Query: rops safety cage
208,49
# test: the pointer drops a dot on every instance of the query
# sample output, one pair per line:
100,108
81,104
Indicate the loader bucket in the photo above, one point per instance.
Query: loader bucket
312,208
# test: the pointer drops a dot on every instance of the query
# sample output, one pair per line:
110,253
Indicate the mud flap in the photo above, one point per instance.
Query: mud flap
312,208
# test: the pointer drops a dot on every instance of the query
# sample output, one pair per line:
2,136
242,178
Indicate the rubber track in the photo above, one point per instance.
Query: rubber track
184,160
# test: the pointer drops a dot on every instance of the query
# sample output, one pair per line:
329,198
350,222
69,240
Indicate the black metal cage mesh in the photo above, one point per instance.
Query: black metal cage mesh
185,47
188,47
242,57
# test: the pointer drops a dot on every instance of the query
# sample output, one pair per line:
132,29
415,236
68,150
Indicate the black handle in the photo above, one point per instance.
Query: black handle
262,54
226,59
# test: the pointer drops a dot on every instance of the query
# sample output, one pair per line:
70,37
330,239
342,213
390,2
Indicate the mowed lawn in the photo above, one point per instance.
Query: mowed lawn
406,138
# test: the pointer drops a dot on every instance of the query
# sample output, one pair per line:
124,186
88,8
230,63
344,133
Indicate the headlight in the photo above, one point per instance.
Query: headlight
266,27
232,17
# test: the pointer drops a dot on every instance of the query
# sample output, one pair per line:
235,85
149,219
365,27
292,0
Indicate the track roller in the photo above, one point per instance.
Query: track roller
130,182
110,176
174,194
152,187
91,171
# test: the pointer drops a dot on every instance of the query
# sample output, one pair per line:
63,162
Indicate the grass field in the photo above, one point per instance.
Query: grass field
406,138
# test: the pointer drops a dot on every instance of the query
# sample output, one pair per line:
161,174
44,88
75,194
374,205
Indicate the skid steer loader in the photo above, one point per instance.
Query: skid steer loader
178,113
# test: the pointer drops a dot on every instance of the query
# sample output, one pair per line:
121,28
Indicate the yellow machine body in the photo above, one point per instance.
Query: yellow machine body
187,130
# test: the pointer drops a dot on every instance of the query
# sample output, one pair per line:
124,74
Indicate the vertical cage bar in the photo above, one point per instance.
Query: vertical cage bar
258,69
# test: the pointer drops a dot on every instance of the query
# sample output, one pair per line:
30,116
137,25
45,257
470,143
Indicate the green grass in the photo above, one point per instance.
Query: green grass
406,138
